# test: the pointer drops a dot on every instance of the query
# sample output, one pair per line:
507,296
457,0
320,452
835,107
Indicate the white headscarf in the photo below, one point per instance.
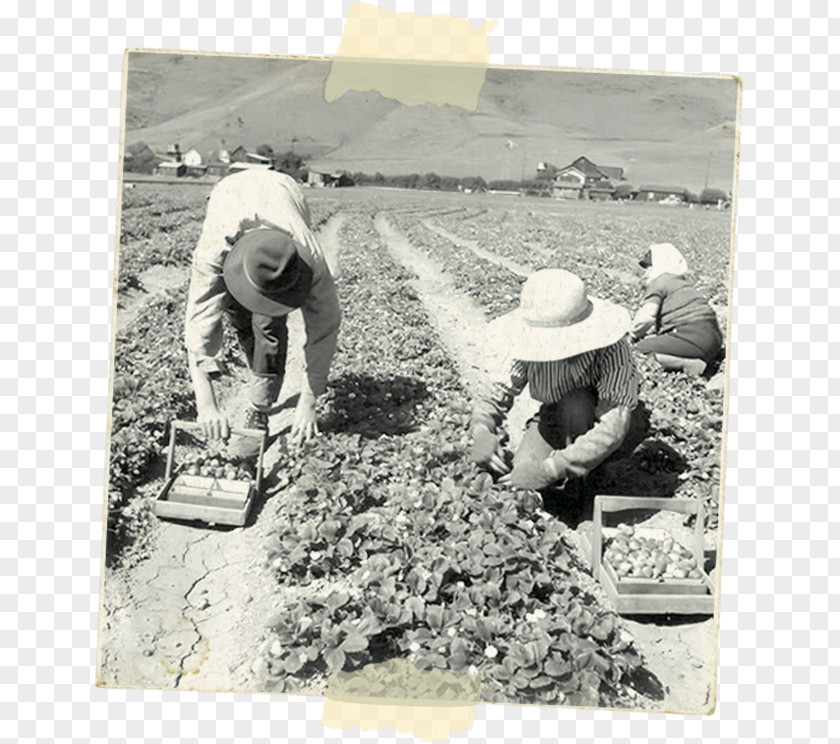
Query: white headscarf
665,259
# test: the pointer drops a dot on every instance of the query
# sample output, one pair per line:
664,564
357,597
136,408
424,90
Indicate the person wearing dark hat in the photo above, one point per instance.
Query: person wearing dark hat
257,260
686,336
572,351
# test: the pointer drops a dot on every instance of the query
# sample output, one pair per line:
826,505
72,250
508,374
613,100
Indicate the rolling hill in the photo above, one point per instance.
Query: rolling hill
664,129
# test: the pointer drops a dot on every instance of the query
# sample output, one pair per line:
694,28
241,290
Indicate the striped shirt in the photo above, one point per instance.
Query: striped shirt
609,372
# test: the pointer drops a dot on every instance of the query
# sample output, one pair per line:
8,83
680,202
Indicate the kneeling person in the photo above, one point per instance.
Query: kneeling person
572,351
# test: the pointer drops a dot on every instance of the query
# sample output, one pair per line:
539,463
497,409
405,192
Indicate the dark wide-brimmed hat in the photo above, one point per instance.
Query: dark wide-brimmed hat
556,319
265,273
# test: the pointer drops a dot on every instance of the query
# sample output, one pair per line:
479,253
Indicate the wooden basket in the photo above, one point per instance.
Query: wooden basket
639,596
204,498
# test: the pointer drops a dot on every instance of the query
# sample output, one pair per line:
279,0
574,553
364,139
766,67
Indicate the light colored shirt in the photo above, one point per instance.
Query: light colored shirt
242,201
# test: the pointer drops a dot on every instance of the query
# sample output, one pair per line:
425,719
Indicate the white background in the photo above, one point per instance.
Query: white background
61,80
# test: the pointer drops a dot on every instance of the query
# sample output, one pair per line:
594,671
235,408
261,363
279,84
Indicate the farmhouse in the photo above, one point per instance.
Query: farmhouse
238,155
582,179
660,193
252,157
193,157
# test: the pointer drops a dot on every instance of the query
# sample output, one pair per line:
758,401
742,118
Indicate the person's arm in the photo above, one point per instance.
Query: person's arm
645,319
205,306
617,386
648,314
322,319
491,408
213,422
488,415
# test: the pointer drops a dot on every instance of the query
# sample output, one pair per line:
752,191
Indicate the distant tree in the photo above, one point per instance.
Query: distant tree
505,184
378,178
266,151
448,183
430,181
623,191
413,181
473,183
712,196
292,164
536,187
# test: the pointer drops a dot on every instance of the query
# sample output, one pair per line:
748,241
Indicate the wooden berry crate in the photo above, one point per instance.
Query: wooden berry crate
205,498
642,596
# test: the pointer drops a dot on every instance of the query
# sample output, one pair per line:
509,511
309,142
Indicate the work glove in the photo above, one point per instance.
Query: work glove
486,450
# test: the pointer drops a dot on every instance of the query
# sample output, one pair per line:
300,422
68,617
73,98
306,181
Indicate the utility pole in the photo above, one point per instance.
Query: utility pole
708,168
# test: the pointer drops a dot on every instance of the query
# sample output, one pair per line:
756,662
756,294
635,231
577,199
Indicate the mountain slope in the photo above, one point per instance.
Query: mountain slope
658,128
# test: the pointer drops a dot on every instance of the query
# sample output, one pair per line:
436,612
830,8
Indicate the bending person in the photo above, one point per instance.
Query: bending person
257,261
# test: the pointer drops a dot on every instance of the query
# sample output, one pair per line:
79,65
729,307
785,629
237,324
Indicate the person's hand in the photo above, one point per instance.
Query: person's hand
214,424
531,474
305,425
487,451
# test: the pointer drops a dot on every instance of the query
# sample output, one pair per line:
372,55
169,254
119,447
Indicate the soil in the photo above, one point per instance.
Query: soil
189,612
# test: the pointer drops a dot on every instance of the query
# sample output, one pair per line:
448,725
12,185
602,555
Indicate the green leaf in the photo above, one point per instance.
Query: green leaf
417,607
344,547
294,662
434,617
336,600
354,643
556,666
459,661
485,629
335,659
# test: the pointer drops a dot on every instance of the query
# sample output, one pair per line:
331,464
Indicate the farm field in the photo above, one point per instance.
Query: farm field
380,540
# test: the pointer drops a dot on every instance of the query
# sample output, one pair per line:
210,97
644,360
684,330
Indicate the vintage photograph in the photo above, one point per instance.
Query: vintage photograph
416,384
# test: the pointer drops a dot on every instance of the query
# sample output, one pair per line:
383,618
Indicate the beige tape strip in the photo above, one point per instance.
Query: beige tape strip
412,58
396,695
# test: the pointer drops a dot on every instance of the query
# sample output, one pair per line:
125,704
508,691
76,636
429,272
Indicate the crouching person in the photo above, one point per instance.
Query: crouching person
573,353
257,261
675,324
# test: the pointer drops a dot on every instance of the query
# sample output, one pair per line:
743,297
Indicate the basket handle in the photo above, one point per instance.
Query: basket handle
192,426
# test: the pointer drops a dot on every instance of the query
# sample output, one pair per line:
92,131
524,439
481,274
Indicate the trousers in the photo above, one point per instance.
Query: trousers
557,425
264,340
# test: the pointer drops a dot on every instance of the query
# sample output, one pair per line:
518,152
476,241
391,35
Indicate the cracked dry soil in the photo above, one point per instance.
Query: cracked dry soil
192,615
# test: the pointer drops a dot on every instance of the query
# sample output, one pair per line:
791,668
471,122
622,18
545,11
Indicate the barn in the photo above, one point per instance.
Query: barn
170,170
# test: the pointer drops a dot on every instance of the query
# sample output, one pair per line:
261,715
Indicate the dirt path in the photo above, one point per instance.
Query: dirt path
679,652
512,266
459,322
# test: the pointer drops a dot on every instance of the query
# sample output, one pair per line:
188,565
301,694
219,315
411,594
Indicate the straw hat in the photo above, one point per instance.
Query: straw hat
265,272
557,320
